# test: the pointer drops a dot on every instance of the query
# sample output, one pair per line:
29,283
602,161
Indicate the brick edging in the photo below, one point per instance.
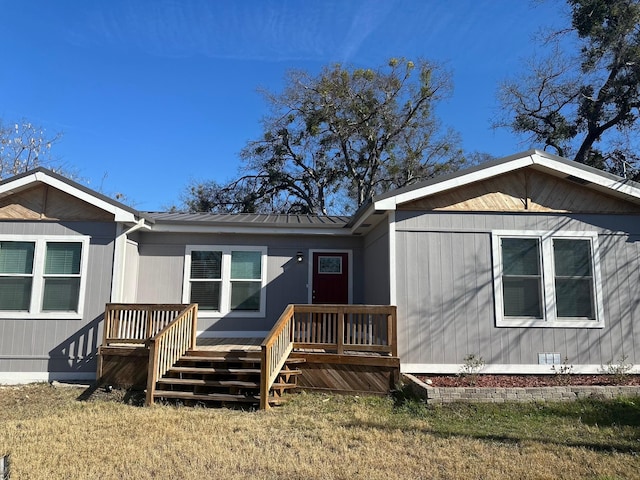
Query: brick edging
516,394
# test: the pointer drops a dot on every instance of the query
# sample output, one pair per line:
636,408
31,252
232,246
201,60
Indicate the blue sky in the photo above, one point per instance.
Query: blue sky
152,94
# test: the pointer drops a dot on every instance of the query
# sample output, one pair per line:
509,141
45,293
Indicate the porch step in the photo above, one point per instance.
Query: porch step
284,386
291,372
216,397
208,383
214,371
227,355
295,361
213,397
219,359
221,377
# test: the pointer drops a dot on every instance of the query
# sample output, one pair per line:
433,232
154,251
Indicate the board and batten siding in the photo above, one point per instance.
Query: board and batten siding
61,348
161,270
445,291
376,265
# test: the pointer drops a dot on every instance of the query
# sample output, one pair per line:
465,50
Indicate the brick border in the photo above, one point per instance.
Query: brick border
439,395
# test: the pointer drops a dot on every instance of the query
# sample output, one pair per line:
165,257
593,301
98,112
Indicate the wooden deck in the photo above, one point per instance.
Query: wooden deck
229,344
337,348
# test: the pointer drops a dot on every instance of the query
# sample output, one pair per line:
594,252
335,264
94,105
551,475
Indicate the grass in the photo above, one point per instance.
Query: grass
50,434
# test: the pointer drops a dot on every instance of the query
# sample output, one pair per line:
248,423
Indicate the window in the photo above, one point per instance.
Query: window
42,276
226,280
330,265
545,279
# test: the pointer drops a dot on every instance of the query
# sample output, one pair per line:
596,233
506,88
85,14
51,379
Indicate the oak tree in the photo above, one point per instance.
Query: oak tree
332,141
24,146
582,100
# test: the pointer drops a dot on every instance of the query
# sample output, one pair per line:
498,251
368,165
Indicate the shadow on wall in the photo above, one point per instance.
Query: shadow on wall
457,298
78,353
288,287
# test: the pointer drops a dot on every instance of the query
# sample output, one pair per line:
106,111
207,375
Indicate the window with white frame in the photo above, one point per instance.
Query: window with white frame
42,276
547,279
225,279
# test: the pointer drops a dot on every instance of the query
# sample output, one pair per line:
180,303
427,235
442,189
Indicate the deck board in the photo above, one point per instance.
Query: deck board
229,344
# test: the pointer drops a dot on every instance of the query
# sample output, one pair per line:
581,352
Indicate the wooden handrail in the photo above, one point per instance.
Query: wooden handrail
276,348
133,323
169,344
363,328
368,328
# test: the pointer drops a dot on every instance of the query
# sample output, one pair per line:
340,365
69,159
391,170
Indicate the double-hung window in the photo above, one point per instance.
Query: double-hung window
42,276
547,279
224,279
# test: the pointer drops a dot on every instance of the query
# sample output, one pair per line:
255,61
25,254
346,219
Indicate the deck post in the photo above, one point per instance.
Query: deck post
151,375
265,368
149,323
194,326
340,338
392,331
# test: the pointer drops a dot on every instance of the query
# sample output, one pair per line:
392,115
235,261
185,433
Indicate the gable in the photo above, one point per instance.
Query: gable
522,190
43,202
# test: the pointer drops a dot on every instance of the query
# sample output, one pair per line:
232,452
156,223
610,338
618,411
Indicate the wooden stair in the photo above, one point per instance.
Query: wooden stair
222,379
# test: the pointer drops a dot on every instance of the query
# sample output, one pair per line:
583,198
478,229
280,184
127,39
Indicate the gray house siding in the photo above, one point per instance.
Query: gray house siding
446,301
62,347
161,271
376,265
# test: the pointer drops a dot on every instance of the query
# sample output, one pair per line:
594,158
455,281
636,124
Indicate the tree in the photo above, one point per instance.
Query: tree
24,146
334,140
584,104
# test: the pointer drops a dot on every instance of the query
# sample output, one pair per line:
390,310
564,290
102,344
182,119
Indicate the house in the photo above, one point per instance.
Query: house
524,261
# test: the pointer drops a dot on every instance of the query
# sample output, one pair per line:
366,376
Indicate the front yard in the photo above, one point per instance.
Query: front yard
49,435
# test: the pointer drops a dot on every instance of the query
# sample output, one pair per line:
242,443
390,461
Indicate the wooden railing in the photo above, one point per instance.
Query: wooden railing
340,328
136,323
334,328
169,344
275,350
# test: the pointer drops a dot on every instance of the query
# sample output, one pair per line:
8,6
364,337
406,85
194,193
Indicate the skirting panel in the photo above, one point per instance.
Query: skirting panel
347,374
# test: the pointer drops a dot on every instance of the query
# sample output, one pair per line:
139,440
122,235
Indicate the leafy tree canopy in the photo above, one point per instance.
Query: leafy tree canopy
334,140
582,100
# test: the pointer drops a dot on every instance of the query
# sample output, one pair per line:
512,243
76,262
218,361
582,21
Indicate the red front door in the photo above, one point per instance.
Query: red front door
330,277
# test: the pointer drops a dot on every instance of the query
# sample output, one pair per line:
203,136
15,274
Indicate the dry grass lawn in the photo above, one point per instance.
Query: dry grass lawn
50,435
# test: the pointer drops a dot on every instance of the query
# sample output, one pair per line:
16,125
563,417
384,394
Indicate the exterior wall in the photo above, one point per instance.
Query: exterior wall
446,304
161,270
46,349
132,260
376,265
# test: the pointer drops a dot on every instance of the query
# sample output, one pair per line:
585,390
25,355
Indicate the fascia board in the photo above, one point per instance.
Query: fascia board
11,187
191,228
619,187
364,217
120,215
465,179
591,177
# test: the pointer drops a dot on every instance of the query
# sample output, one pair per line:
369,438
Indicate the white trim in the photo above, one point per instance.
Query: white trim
349,253
37,287
475,176
225,281
21,378
550,319
496,368
120,215
232,334
362,218
119,259
393,279
617,188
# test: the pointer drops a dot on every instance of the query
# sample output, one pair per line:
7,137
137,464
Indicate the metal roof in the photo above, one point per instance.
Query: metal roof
250,219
